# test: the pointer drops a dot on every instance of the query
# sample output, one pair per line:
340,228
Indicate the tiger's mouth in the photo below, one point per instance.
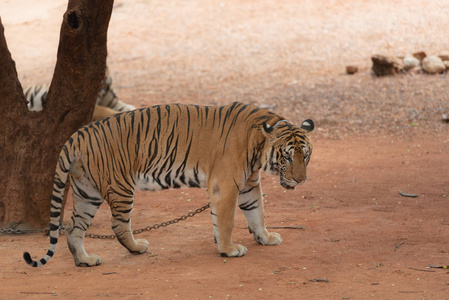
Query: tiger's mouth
290,184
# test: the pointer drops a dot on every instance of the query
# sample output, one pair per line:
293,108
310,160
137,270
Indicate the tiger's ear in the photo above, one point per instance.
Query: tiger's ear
267,130
266,127
308,125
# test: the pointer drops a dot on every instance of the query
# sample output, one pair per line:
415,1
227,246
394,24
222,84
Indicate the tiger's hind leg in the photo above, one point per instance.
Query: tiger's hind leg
121,208
250,201
86,201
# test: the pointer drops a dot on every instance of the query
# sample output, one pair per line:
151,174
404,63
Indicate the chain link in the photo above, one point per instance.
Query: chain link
20,231
286,227
112,236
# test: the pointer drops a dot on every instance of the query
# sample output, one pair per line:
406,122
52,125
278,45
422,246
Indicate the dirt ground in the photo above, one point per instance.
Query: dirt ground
361,239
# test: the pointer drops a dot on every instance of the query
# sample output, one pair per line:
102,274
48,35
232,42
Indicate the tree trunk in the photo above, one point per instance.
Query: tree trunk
30,141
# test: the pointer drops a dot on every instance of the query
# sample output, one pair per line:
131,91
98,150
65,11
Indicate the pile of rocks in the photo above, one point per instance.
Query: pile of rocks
417,62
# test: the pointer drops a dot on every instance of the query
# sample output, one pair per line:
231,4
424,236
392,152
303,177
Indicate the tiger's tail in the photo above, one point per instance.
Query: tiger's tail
65,160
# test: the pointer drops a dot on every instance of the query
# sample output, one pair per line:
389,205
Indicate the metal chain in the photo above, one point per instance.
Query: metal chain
112,236
20,231
286,227
155,226
137,231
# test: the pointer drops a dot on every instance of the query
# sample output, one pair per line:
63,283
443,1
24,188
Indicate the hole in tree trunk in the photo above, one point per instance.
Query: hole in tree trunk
72,19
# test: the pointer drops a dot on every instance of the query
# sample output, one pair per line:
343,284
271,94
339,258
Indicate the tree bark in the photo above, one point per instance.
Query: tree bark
30,142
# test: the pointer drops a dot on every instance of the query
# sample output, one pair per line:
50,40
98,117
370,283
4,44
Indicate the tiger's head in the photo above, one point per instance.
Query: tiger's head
287,151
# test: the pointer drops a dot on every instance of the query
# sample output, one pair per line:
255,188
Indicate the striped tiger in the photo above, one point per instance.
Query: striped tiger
107,103
171,146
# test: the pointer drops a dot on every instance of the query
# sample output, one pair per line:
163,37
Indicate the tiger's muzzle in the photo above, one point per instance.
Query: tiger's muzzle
291,183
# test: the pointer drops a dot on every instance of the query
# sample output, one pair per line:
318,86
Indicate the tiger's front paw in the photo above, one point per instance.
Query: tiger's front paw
141,246
273,238
233,251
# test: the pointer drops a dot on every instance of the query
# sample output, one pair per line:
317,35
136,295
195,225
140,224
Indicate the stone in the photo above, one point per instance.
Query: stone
446,64
386,65
446,118
420,55
410,62
433,65
444,56
351,69
415,70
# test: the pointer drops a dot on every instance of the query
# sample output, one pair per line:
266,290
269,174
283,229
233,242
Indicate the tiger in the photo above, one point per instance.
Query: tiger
220,148
107,103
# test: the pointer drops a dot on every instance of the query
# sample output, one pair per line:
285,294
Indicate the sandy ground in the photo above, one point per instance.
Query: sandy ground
374,136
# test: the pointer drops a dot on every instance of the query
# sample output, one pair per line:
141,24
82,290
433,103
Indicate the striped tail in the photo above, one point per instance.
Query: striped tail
62,170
